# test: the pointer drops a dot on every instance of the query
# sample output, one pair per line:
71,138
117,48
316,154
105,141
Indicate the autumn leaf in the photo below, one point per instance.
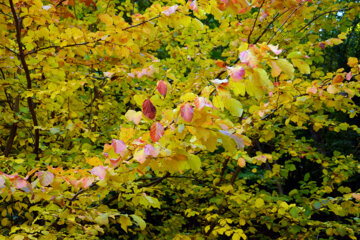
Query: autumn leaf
187,112
156,131
162,87
99,171
149,109
45,177
134,116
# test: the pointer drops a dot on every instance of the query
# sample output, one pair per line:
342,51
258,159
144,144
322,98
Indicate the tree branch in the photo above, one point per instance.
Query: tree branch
257,15
21,56
320,15
287,19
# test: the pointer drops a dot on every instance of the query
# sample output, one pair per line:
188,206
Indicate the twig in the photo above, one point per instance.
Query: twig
288,17
320,15
28,78
257,15
132,26
157,181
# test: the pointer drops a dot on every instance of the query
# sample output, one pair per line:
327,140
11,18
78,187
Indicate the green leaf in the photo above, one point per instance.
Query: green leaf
194,162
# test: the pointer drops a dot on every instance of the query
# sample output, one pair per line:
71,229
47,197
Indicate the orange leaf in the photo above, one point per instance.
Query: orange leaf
156,131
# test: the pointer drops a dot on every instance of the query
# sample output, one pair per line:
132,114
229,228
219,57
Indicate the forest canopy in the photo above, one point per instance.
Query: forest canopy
174,119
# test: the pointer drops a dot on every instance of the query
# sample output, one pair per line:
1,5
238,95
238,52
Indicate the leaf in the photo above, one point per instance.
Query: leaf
301,65
139,221
106,19
260,76
237,73
99,172
149,109
150,150
45,178
234,107
241,162
259,203
201,102
134,116
194,162
275,49
119,146
286,67
187,112
162,87
170,10
156,131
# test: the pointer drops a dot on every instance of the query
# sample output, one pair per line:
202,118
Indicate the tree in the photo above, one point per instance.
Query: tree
222,117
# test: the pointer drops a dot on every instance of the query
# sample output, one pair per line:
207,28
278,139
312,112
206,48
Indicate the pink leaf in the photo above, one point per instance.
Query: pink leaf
170,10
162,87
140,156
134,116
275,49
2,181
45,178
237,73
149,109
20,183
201,102
193,5
99,171
156,131
119,146
187,112
150,150
348,75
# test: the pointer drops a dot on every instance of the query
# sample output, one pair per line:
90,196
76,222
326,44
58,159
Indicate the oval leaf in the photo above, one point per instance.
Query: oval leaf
162,87
45,178
149,109
156,131
187,112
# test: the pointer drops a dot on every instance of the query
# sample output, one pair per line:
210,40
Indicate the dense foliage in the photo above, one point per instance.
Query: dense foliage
202,119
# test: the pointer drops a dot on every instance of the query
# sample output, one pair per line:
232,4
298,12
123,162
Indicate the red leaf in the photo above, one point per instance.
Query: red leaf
156,131
187,112
162,87
149,109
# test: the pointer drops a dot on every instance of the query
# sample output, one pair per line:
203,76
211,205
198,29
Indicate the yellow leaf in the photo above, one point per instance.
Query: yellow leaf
259,203
301,65
106,19
94,161
234,107
261,77
286,67
139,221
188,97
27,21
218,102
352,61
237,87
275,69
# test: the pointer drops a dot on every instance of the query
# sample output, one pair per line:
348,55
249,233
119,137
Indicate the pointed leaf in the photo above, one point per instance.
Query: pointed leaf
149,109
162,87
99,171
187,112
156,131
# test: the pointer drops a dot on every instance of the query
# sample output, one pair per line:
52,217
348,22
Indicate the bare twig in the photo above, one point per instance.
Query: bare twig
257,15
320,15
287,19
28,78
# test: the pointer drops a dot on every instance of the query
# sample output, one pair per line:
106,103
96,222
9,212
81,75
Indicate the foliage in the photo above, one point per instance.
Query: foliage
226,118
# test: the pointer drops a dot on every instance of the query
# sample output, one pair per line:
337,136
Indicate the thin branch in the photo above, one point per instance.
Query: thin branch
14,127
28,78
287,19
277,15
257,15
132,26
320,15
16,54
157,181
